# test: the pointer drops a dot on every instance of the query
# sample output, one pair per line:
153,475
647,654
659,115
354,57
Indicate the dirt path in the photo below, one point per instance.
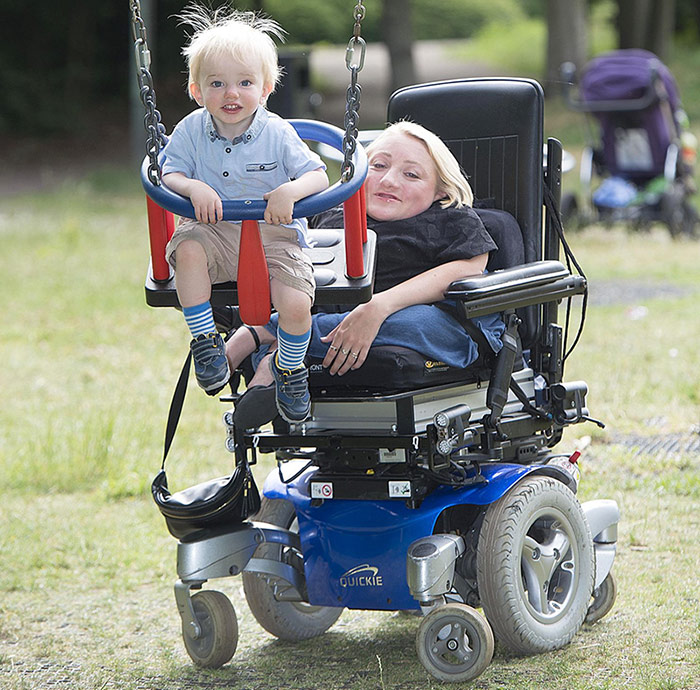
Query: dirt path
434,60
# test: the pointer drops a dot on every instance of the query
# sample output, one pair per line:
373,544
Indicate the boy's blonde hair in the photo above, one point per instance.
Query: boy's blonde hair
451,180
244,36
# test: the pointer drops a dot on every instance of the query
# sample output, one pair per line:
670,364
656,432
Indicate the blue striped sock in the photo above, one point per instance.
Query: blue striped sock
291,349
200,319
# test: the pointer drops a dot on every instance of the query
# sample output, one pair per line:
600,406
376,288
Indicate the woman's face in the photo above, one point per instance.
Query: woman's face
402,180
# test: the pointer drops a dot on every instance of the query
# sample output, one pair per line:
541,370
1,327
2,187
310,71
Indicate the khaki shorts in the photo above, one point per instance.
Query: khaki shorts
286,261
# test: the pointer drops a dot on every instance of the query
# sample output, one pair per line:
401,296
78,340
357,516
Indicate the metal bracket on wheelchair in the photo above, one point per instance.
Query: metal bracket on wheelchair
228,553
430,566
569,403
231,553
449,433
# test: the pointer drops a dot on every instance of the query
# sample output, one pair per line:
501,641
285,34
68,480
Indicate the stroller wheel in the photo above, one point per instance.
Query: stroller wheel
535,566
287,620
218,639
455,643
603,599
679,215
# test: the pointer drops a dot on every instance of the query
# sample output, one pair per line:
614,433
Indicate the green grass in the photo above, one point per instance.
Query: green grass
88,566
86,378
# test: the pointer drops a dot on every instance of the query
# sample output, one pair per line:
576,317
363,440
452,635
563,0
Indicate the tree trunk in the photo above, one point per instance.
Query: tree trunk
397,34
661,25
646,24
632,22
567,36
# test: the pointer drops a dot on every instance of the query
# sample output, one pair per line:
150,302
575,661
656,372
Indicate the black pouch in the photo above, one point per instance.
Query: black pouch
216,503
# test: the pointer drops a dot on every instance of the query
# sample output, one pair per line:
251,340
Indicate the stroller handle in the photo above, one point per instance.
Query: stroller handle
650,96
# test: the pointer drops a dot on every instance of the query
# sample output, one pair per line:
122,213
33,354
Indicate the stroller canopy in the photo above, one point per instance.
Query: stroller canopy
634,97
626,75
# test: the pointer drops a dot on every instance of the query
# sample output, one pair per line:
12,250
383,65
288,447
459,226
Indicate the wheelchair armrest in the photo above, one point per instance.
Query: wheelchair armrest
512,288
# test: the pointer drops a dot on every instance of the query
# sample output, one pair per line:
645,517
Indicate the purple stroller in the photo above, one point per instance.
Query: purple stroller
643,159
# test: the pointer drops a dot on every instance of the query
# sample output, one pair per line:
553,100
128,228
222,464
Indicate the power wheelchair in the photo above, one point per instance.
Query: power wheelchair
415,486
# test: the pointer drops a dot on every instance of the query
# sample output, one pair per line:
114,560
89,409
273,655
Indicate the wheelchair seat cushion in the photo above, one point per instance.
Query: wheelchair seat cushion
390,368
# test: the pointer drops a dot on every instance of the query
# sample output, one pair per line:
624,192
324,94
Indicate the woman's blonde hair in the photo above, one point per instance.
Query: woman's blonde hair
451,180
245,36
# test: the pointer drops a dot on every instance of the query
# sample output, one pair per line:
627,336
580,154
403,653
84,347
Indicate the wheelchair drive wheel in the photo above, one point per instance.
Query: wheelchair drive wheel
218,639
287,620
455,643
535,566
603,599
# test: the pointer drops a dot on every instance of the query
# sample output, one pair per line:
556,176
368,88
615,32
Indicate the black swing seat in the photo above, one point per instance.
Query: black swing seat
328,257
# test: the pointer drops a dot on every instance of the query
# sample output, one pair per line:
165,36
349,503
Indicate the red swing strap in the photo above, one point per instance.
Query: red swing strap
355,221
253,278
161,226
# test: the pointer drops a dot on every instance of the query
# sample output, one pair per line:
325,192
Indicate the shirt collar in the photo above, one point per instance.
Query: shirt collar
256,126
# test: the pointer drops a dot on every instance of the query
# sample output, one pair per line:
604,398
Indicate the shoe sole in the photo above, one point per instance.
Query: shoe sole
216,387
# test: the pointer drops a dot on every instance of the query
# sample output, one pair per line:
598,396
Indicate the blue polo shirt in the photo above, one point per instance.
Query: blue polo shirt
268,154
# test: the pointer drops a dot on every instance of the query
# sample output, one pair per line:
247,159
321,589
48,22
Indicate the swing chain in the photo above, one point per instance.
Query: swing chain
354,60
151,121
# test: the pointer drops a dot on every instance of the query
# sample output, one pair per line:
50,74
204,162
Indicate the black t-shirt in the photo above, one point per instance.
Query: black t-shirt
406,248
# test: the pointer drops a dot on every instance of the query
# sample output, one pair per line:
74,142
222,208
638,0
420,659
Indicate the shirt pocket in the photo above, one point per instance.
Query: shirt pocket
260,167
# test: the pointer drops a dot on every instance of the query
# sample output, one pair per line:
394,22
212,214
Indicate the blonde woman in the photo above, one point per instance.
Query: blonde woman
419,205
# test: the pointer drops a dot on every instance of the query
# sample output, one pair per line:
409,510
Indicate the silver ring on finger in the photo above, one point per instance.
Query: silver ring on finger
345,351
333,347
355,354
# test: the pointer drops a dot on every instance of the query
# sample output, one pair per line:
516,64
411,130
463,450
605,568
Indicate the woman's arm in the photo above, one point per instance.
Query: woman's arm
357,331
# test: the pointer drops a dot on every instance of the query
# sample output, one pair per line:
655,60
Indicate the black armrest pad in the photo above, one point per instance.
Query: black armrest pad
507,279
513,288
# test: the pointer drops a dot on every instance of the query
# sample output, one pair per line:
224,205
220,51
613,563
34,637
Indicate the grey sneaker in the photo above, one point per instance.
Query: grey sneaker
210,363
291,392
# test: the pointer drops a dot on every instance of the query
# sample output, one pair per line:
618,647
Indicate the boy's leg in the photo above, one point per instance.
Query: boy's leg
293,335
194,291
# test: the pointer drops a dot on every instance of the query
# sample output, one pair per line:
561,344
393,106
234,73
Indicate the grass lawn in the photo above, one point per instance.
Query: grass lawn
88,567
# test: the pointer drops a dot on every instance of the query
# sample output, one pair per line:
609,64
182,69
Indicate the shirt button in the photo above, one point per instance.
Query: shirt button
228,150
225,174
262,167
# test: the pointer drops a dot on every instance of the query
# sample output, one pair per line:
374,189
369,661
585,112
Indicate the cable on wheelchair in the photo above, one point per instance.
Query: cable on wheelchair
570,259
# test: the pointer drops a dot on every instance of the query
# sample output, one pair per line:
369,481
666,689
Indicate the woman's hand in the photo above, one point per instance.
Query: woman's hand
351,339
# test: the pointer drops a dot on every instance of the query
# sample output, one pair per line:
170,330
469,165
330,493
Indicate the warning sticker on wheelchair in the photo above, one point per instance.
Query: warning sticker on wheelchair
321,490
399,489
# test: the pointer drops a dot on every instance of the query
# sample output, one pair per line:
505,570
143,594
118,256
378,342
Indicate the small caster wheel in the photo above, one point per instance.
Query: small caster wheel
455,643
218,638
603,599
228,419
230,444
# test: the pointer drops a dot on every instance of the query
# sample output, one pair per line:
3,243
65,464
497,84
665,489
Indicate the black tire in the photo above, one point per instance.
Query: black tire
219,630
287,620
603,599
454,643
535,540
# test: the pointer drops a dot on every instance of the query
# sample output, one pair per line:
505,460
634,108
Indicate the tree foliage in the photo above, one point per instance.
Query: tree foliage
65,67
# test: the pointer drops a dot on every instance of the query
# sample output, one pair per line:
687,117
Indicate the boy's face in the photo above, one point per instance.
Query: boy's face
231,91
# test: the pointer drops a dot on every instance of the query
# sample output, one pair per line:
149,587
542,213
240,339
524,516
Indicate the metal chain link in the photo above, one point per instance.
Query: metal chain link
354,60
155,130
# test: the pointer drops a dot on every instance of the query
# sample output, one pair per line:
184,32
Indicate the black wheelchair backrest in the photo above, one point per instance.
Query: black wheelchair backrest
494,128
